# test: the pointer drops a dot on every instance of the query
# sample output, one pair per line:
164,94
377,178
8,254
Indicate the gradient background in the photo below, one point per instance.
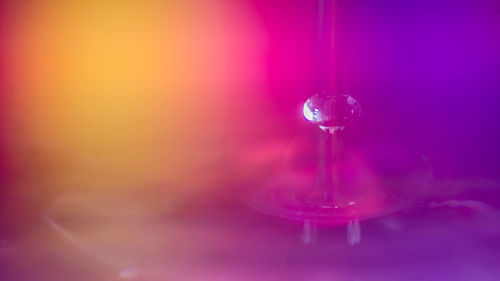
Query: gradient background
157,103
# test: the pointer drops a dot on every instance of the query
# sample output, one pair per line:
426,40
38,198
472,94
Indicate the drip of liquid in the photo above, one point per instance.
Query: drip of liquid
353,232
310,233
331,114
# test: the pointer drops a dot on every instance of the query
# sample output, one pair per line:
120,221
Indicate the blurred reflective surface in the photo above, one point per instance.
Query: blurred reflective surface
452,235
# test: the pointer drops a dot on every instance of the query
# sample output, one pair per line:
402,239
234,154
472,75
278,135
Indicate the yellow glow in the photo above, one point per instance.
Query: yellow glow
123,94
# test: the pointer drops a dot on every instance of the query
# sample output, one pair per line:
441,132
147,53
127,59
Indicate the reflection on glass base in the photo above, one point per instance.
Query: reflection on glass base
306,203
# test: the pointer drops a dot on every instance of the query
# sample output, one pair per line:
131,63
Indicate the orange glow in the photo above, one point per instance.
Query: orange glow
129,95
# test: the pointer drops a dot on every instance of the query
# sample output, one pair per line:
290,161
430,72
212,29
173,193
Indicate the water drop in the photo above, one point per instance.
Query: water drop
331,113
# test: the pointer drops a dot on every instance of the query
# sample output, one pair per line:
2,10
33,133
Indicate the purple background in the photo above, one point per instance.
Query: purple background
425,72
